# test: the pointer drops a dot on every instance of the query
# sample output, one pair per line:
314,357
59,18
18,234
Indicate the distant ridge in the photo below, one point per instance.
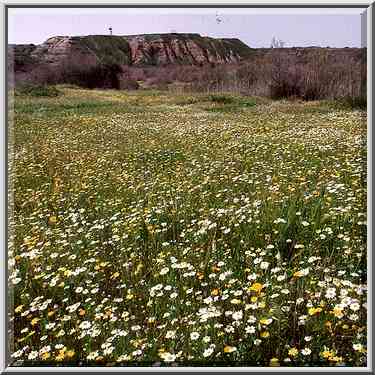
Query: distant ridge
143,49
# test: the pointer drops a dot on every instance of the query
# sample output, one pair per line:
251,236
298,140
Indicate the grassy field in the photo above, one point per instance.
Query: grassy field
150,228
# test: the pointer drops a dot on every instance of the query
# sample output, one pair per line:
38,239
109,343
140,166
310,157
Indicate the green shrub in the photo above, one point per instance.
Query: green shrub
187,101
226,103
246,102
37,90
357,102
221,99
223,109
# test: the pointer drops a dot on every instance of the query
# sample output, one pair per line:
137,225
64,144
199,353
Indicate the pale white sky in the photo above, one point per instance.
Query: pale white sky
255,27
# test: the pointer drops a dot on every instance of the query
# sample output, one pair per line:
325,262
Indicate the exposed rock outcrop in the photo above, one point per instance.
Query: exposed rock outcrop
162,49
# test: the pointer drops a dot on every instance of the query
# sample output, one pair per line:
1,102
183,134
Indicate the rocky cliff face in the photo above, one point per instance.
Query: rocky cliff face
162,49
150,49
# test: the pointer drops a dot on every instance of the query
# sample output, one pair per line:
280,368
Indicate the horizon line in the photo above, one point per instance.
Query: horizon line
180,33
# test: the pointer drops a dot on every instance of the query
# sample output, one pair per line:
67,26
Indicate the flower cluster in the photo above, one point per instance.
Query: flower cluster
142,234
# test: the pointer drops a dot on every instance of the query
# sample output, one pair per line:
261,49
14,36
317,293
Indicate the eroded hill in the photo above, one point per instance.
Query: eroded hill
148,49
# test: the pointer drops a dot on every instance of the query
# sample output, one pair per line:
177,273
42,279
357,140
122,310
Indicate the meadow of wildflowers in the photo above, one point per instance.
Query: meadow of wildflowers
157,229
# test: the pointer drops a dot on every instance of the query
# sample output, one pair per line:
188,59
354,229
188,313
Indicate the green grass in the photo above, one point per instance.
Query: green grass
198,229
228,103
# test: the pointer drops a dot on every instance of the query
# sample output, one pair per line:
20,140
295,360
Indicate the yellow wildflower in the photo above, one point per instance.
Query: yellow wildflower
138,269
314,310
265,321
229,349
336,359
129,296
200,275
52,220
256,287
70,353
274,362
60,356
326,354
262,305
45,355
337,312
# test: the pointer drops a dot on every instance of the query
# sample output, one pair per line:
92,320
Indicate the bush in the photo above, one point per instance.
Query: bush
284,89
128,84
221,99
187,101
224,109
94,76
247,102
37,90
359,102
